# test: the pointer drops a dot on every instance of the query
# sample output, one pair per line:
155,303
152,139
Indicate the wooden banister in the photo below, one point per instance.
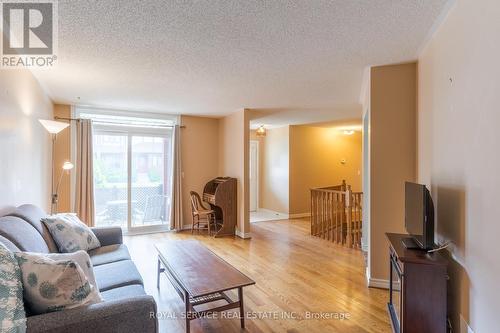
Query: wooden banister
336,214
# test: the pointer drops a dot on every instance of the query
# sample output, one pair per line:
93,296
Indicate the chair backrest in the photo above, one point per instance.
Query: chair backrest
195,202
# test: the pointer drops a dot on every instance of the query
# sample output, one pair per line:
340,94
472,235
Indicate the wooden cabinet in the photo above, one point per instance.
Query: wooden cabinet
418,281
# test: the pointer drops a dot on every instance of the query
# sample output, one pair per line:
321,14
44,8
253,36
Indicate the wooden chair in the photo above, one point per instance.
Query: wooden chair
200,212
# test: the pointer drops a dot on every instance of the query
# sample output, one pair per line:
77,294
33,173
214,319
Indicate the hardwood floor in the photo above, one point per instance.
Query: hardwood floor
296,274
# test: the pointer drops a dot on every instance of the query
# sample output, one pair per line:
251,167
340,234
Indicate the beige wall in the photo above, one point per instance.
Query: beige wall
458,145
393,92
315,161
233,161
63,154
25,145
274,178
200,157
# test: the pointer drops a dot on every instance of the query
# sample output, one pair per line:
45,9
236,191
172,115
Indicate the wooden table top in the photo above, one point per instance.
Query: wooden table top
198,270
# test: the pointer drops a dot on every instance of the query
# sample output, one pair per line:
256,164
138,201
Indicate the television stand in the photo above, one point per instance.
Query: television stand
417,282
410,244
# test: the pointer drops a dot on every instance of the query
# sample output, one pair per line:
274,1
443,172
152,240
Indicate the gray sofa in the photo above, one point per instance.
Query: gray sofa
126,307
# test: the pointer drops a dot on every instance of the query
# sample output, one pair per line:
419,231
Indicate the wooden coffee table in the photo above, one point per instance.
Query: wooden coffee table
200,276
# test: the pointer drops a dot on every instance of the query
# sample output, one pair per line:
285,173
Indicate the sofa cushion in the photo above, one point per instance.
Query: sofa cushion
123,292
110,253
12,315
117,274
54,284
22,234
8,244
33,215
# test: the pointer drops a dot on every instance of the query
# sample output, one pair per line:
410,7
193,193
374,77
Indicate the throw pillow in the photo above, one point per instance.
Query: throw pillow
71,234
82,258
53,285
12,315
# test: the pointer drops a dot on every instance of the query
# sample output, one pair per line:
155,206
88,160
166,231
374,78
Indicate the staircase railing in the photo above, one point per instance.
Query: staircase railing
336,214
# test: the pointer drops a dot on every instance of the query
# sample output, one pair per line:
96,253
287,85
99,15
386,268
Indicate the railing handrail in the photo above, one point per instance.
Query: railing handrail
336,214
328,191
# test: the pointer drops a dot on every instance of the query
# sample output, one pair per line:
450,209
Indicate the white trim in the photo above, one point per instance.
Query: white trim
378,283
435,26
244,235
238,233
299,215
381,284
257,173
186,227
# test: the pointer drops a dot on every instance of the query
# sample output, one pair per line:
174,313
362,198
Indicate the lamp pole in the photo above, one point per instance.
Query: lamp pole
54,195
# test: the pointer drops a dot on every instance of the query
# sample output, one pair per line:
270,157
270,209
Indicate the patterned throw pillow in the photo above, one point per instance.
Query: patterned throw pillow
53,285
82,258
71,234
12,315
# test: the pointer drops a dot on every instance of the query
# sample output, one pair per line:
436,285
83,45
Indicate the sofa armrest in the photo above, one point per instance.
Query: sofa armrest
108,235
136,314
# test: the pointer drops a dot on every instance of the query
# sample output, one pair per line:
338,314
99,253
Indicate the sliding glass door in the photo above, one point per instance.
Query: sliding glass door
132,177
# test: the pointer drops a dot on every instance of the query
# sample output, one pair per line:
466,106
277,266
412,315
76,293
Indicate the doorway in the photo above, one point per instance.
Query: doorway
254,175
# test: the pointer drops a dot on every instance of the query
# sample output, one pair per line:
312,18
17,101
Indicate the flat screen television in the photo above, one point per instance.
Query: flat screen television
419,217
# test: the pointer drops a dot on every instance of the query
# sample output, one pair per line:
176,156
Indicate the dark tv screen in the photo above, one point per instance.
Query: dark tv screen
415,209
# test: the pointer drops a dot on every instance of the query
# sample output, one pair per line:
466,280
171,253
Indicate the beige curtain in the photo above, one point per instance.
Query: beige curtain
176,202
84,197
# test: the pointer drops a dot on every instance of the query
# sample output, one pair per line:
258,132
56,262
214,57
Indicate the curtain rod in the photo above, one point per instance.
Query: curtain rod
107,122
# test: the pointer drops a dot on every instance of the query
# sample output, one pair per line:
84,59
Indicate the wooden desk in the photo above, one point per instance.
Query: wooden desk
200,276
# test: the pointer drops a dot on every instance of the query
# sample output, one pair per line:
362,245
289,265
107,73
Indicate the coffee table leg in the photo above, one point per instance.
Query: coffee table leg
242,312
158,277
188,320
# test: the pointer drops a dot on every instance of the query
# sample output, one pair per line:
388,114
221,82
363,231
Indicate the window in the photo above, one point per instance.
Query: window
132,170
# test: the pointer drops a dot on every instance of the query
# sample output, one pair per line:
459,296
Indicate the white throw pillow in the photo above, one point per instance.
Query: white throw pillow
53,285
71,234
12,315
82,258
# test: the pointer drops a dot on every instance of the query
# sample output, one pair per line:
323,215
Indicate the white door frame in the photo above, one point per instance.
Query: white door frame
257,175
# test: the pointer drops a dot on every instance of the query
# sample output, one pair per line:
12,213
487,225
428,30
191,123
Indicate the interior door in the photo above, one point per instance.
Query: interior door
254,175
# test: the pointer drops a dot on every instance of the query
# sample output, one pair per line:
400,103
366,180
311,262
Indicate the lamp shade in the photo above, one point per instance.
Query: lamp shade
52,126
67,166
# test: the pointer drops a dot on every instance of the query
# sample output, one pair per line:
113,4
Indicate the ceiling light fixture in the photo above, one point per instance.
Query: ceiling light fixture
261,131
348,132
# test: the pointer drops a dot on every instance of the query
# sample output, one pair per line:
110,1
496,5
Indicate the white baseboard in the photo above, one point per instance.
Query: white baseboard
299,215
378,283
244,235
186,227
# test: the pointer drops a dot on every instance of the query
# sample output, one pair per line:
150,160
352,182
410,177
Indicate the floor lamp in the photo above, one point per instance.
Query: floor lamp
54,127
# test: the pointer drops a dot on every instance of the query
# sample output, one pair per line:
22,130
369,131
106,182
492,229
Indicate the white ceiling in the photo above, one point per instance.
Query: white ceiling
213,57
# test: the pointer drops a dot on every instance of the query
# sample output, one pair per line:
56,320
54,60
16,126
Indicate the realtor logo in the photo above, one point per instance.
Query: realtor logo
29,34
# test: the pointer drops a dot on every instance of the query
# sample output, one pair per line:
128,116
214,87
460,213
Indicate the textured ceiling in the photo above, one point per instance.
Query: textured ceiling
213,57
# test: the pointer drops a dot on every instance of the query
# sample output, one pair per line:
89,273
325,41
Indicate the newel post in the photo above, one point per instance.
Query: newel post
348,203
